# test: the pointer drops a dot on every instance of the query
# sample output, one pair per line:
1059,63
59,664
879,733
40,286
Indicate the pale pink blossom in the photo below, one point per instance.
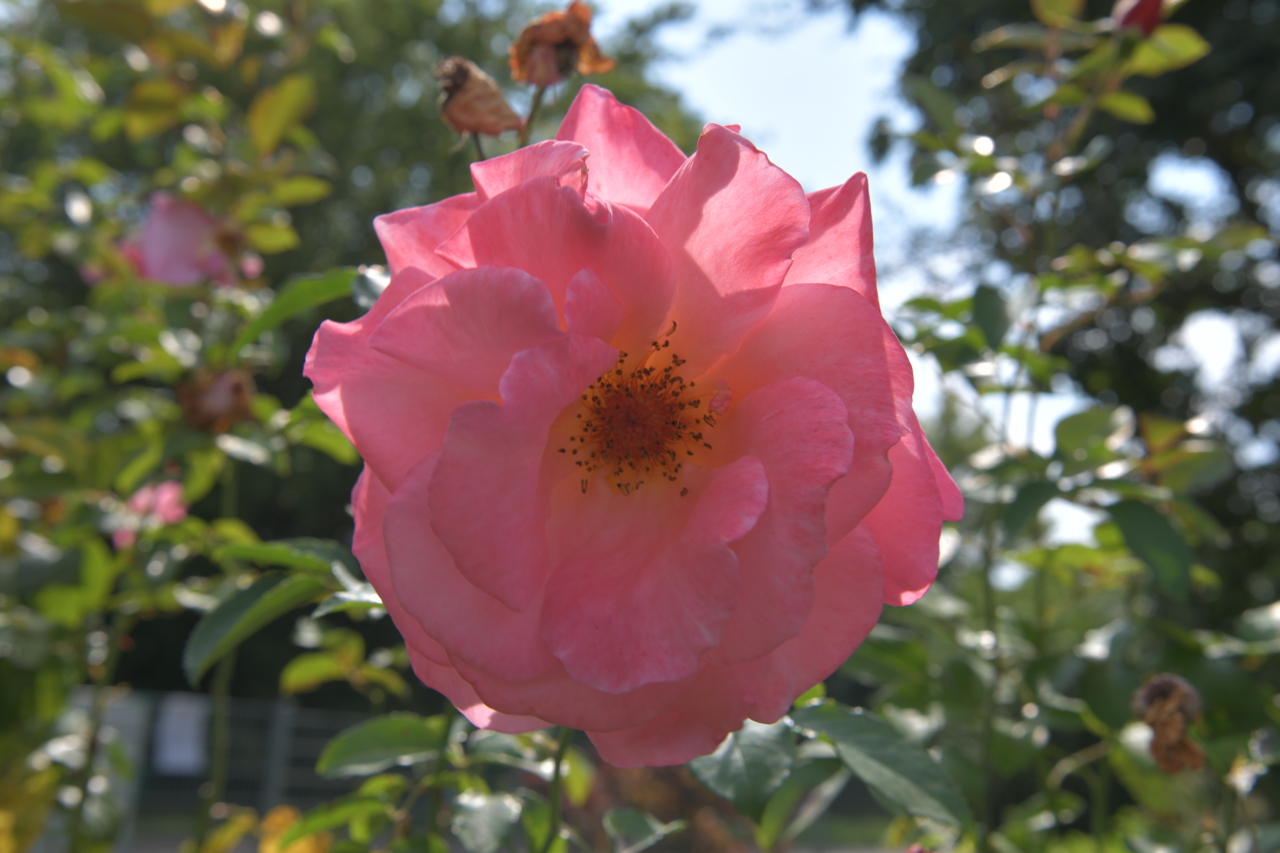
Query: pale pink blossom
640,454
178,245
151,507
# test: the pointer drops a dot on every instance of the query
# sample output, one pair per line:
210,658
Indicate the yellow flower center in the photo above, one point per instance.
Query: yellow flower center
639,424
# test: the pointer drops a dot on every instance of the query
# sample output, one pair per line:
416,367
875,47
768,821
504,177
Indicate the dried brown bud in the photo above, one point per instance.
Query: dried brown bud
1168,703
470,101
215,402
556,44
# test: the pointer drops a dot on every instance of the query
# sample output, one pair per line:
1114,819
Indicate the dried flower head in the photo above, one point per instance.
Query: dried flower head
470,100
215,402
1167,703
555,44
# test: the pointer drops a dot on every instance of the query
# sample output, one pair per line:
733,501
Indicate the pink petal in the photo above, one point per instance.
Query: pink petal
548,231
466,327
907,521
631,160
730,220
446,680
570,703
840,240
487,498
141,501
495,649
564,161
410,236
798,429
394,413
169,506
590,308
674,737
641,592
833,335
472,625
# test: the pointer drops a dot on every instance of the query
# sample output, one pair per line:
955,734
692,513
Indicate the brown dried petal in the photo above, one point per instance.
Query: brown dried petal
215,402
471,101
569,34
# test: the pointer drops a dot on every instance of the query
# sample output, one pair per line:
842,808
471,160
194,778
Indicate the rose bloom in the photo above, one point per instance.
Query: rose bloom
640,454
178,245
149,508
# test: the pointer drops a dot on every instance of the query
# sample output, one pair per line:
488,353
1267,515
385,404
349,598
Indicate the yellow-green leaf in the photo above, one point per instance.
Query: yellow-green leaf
1170,47
300,189
278,108
270,238
1127,106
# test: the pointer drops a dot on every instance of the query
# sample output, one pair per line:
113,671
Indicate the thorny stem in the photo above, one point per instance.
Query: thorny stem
553,829
221,690
533,114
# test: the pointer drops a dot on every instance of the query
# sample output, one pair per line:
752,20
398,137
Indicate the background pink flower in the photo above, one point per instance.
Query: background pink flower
178,245
640,453
152,506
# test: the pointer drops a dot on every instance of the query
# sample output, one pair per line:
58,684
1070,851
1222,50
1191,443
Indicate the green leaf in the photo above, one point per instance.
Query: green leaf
316,555
990,314
374,745
270,238
1026,505
482,821
308,671
1157,543
1127,106
1081,439
333,815
1170,47
749,765
300,189
363,597
277,109
900,771
632,830
297,296
1057,13
579,776
241,615
940,106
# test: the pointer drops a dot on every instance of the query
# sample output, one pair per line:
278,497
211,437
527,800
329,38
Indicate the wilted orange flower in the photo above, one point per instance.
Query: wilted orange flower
555,44
471,101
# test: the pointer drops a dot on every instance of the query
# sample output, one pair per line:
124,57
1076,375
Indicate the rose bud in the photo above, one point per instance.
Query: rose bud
1141,14
556,44
470,100
640,457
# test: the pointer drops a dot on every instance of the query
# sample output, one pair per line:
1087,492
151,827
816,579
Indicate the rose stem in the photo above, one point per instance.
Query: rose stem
533,114
553,831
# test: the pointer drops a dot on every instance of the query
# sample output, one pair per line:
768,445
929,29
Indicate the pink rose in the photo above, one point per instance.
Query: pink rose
178,245
1144,15
150,507
640,454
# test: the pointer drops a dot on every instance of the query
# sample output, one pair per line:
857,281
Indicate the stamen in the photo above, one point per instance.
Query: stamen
636,423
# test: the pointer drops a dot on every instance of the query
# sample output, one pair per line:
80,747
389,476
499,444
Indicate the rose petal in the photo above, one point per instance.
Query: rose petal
394,413
631,160
906,522
674,737
178,246
833,335
798,429
410,236
564,161
446,680
840,241
640,592
731,220
466,327
487,500
548,231
590,308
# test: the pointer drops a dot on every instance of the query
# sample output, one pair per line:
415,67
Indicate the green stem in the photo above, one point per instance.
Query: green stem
553,830
229,503
533,114
437,799
221,690
479,147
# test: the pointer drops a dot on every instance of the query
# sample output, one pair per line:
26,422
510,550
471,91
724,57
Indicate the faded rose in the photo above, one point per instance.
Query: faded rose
178,245
149,508
640,453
